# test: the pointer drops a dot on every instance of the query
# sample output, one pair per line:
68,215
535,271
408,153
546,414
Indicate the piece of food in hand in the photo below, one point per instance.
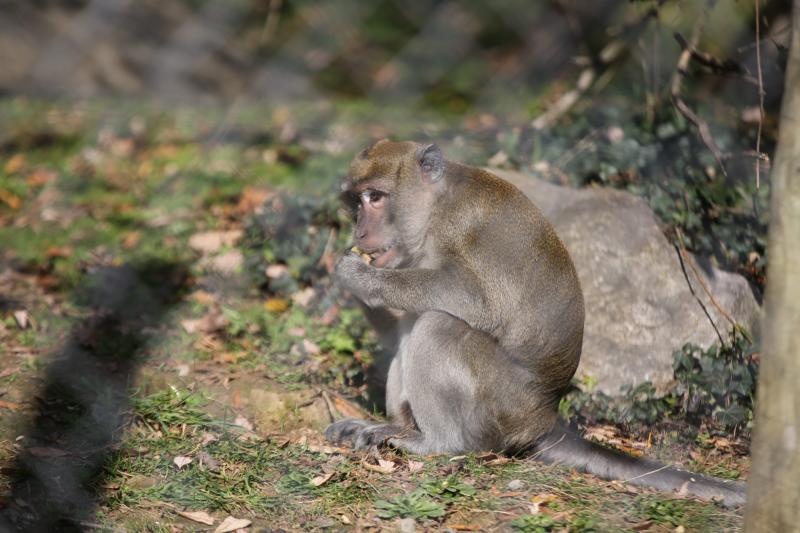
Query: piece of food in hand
365,256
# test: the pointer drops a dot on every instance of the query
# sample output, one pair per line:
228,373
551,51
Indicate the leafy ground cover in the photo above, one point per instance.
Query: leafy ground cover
221,397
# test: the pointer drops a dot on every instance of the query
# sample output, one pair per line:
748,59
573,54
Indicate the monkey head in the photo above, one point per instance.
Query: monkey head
390,189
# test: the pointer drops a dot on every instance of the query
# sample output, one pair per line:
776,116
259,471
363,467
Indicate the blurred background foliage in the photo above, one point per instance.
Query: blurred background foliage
127,127
214,133
307,82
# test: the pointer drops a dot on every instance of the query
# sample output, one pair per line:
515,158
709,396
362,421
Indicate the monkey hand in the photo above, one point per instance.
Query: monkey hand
355,276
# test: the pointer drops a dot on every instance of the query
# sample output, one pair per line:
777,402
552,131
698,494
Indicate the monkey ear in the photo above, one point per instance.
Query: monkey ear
431,163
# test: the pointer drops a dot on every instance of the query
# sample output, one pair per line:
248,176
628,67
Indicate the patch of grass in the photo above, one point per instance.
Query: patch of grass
662,511
169,408
413,505
537,523
449,489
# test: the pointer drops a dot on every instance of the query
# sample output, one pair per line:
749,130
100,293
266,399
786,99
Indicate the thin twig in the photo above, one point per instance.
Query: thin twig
696,297
688,259
675,91
646,474
719,66
760,92
540,452
271,22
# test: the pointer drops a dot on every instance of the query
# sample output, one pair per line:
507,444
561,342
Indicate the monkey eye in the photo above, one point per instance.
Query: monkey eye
373,197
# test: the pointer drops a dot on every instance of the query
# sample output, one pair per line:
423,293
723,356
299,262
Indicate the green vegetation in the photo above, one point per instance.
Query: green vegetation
713,387
84,189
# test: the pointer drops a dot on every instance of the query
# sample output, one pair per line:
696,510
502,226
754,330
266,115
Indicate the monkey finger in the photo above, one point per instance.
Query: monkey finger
374,436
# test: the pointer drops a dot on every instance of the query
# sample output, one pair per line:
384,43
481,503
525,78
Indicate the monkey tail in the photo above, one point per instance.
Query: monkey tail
565,447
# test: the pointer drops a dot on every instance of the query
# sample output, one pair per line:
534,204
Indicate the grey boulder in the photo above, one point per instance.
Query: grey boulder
642,302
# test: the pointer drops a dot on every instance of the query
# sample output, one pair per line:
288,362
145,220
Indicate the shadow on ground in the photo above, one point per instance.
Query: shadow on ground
82,405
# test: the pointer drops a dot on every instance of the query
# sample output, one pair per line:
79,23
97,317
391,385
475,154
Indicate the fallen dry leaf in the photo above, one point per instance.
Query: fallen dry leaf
208,438
208,461
225,358
544,498
383,466
11,406
131,239
232,524
21,317
209,242
464,527
304,297
11,200
348,409
40,176
415,466
321,480
276,305
198,516
310,347
61,252
242,422
181,461
276,271
203,297
330,315
210,322
492,459
14,164
252,198
324,448
228,262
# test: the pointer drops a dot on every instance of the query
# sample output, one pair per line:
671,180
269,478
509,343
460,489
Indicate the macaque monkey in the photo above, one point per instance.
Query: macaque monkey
465,278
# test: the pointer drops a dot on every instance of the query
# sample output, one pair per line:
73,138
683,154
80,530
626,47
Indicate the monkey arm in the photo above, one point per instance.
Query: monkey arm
451,289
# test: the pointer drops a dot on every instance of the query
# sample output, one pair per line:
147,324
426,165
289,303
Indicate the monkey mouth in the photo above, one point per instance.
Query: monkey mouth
381,256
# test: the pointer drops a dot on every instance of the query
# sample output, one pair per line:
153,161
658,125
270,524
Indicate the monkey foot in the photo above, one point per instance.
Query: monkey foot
360,434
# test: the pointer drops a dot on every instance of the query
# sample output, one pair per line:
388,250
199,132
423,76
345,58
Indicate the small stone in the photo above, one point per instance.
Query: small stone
515,484
407,525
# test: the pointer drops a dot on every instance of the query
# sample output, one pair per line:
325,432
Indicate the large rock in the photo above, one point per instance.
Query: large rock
640,307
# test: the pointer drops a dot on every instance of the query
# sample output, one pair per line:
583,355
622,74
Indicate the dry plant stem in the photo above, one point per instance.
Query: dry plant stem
760,92
720,66
328,405
271,22
688,260
613,51
675,93
567,100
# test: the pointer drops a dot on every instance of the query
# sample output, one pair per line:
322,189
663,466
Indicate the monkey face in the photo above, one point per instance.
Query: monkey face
374,233
389,189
